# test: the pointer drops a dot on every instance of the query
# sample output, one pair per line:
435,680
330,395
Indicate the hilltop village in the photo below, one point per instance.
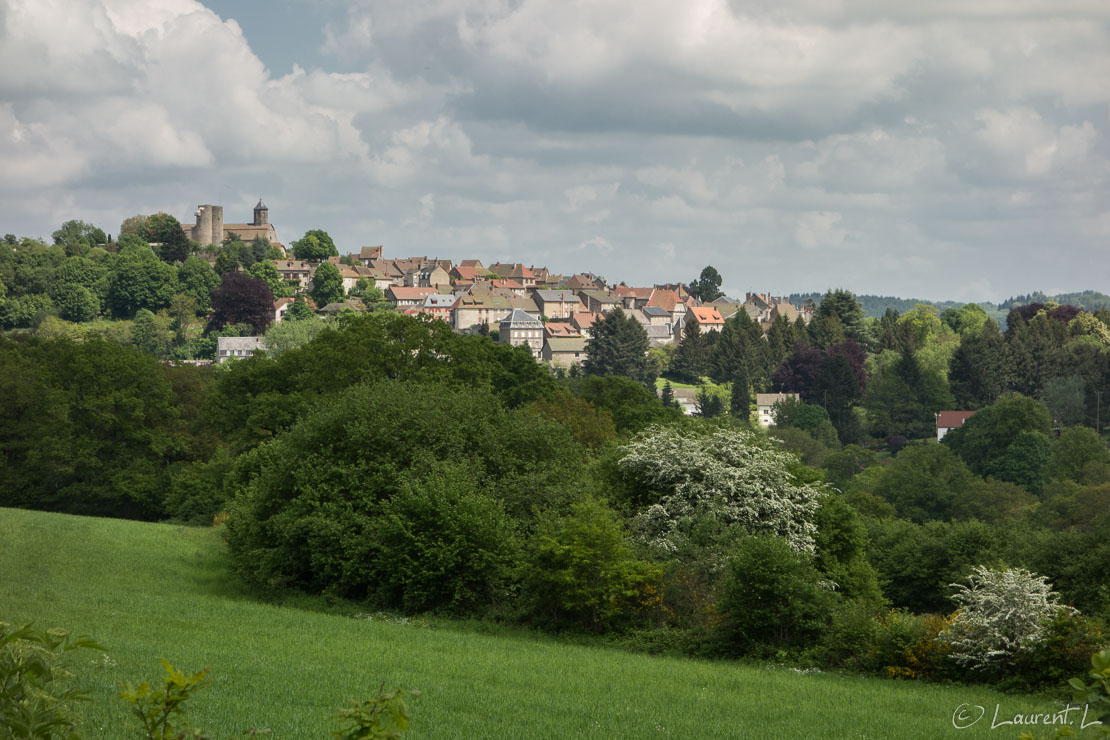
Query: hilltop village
521,305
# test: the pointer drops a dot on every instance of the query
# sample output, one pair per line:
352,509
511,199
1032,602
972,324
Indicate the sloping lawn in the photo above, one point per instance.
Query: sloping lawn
149,591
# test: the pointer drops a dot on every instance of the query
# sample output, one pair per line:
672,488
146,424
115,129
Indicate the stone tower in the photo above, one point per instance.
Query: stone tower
209,230
261,214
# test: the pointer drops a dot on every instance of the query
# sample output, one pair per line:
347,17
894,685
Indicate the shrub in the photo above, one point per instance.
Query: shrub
583,571
773,597
726,480
1002,613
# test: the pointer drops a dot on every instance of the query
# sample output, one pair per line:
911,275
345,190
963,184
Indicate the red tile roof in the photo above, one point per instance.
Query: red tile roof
706,315
952,419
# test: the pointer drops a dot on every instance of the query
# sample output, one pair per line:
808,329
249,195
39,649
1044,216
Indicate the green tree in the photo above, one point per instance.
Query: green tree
197,280
583,571
78,236
288,335
140,280
76,302
707,288
847,309
740,398
772,597
618,346
152,334
1077,454
315,245
984,439
300,310
924,482
904,399
1066,399
327,285
667,398
135,225
691,358
709,403
981,368
740,344
265,271
840,389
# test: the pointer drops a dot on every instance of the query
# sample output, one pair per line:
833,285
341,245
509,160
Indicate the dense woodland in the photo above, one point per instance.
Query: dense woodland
388,459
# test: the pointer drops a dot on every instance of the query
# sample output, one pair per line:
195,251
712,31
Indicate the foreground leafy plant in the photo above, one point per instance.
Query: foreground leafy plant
384,717
155,706
33,678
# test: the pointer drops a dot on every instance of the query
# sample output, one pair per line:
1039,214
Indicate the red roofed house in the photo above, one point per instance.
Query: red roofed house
949,420
515,271
281,307
510,285
708,318
407,297
468,273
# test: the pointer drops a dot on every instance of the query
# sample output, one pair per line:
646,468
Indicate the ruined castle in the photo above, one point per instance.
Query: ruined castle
210,229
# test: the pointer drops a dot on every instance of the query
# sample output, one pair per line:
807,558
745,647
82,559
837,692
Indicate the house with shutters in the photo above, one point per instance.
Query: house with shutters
521,328
557,304
470,311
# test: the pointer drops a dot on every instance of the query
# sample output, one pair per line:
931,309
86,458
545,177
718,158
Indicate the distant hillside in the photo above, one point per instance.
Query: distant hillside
1088,300
876,305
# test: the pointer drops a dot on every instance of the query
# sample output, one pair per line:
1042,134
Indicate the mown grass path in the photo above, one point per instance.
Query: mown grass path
149,591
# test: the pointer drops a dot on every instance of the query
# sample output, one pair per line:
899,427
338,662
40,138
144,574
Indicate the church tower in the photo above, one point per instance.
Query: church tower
261,214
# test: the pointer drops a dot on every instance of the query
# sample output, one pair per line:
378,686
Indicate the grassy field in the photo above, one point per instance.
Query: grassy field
149,591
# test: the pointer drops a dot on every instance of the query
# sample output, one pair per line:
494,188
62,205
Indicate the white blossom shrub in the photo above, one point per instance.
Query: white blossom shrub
726,478
1001,613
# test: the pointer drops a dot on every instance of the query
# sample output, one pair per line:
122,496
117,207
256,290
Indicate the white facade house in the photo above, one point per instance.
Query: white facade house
239,347
764,405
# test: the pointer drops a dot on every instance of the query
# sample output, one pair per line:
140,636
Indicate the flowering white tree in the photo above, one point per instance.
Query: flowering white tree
728,478
1001,613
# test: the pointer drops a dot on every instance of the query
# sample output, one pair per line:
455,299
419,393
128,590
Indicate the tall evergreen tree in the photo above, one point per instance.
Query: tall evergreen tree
691,360
981,368
619,346
740,401
843,305
668,395
780,339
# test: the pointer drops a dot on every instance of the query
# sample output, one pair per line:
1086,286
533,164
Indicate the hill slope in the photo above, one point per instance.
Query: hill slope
148,591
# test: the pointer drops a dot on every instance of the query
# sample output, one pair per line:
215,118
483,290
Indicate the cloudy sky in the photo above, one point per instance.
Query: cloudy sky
950,149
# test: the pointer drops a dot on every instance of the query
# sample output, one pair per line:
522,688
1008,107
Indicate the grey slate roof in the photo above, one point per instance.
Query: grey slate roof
519,318
557,296
566,344
655,311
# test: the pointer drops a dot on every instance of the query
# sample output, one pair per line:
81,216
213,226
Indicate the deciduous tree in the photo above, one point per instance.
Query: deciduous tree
242,299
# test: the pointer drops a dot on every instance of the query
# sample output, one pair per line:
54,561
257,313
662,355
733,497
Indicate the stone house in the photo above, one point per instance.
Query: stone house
557,304
564,351
520,328
475,310
297,273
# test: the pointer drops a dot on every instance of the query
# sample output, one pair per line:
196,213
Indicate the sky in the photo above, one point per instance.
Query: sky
948,150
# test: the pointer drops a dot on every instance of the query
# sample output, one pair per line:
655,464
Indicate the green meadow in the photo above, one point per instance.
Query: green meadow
151,591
